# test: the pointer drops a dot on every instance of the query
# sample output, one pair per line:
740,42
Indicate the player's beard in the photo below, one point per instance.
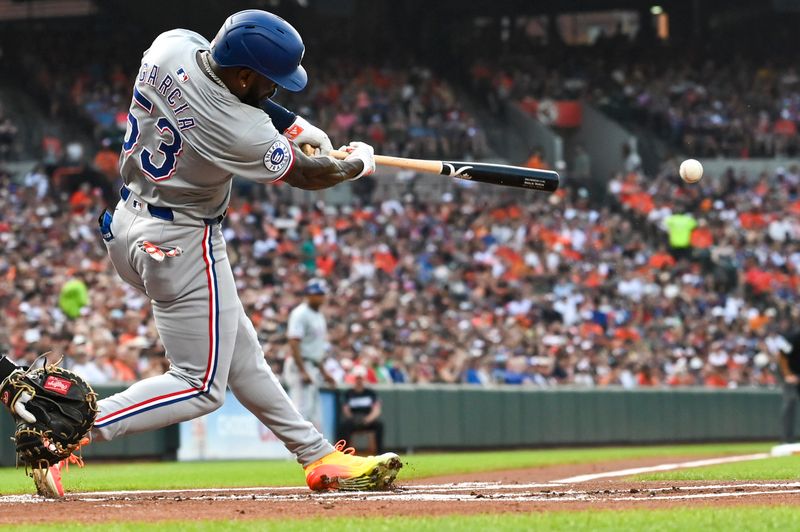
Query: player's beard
252,96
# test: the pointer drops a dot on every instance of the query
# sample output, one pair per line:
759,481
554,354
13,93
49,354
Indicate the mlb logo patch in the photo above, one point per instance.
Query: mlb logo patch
183,77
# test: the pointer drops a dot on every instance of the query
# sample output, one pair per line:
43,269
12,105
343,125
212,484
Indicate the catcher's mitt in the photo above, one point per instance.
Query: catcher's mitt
64,406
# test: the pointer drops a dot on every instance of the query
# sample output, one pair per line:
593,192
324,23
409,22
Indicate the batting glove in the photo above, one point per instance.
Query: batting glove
303,132
363,152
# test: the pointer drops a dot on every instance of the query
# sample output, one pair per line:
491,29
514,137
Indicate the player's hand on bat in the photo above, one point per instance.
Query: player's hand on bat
304,132
363,152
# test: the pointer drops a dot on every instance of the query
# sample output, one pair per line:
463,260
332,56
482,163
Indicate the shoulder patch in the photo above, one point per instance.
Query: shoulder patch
183,77
277,157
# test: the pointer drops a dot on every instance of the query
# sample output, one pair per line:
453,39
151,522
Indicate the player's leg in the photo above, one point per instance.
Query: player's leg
314,399
377,427
346,428
194,305
294,381
256,387
788,409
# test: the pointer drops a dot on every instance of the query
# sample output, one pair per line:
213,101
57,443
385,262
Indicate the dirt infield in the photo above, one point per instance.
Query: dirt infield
530,490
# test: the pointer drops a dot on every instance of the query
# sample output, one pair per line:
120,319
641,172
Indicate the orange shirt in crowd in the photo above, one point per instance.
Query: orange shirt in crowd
760,280
107,162
536,161
385,261
643,379
702,238
752,220
325,265
80,201
661,260
715,380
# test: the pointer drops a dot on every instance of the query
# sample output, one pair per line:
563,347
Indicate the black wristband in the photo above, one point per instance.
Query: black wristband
6,368
281,117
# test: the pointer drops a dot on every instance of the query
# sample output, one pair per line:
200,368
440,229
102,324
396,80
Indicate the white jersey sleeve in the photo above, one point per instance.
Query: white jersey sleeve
261,154
297,325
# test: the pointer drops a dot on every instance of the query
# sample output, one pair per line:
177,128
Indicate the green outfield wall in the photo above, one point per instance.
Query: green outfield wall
465,417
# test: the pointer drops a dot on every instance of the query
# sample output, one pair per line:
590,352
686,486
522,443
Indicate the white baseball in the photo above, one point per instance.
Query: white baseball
691,170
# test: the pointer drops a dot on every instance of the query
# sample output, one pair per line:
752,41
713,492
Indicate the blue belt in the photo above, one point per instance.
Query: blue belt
165,213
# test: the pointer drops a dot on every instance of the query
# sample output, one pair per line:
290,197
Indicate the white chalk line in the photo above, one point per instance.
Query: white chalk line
490,492
661,467
484,497
444,492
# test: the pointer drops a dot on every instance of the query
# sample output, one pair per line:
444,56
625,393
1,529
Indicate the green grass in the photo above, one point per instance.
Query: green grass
784,468
679,519
131,476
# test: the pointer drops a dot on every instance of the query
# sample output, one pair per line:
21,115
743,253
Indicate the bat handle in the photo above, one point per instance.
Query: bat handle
418,165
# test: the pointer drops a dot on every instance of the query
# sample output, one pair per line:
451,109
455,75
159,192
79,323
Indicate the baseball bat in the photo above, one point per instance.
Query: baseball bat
494,174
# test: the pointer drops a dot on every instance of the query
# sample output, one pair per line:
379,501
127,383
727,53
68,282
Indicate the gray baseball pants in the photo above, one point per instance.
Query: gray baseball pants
209,340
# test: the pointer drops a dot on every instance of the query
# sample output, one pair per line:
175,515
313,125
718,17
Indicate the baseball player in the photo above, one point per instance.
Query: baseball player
308,339
194,122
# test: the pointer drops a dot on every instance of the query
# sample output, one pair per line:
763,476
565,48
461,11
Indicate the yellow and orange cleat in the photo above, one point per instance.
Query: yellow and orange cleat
343,470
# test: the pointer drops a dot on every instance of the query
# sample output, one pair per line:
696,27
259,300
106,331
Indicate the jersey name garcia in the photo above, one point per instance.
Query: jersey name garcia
187,136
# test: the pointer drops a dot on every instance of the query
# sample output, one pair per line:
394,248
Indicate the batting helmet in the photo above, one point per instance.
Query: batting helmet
262,42
316,287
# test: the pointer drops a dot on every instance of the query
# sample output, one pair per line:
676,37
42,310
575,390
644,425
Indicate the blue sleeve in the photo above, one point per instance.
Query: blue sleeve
281,117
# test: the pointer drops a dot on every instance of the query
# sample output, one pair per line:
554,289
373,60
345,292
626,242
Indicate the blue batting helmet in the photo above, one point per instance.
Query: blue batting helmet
262,42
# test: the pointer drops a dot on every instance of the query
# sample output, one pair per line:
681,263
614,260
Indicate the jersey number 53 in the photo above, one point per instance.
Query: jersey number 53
166,132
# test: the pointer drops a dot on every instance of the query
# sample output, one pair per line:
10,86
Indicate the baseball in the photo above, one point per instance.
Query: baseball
691,170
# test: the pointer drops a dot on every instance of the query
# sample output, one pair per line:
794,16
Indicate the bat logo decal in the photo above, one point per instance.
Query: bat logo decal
461,172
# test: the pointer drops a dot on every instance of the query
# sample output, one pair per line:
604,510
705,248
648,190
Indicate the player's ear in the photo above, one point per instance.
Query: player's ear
246,77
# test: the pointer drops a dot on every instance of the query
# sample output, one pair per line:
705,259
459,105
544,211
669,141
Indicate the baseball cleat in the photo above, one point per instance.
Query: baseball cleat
343,470
48,481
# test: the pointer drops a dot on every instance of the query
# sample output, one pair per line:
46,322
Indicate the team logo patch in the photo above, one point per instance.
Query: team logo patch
57,384
277,157
159,253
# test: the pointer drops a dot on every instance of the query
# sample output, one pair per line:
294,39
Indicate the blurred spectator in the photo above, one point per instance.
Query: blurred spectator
361,410
789,363
74,296
536,160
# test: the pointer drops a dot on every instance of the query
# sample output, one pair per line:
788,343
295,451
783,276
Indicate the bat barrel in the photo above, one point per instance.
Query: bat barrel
505,175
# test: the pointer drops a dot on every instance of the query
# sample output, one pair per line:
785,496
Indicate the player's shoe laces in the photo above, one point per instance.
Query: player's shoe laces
48,479
343,470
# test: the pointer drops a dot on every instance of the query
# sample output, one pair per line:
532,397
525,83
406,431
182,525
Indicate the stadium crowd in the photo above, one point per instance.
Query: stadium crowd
465,288
730,106
8,136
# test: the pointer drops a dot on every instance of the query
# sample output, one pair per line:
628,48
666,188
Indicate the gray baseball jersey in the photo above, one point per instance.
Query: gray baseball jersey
308,326
186,137
204,134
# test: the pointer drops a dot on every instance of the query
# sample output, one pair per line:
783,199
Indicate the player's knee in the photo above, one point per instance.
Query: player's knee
213,400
